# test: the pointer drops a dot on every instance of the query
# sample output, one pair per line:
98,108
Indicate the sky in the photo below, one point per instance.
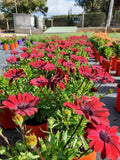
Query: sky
61,7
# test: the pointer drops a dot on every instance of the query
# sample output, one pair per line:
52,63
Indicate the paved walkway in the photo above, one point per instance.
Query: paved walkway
109,100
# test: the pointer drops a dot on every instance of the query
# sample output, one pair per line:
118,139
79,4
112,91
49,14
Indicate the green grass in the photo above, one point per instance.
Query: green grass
63,35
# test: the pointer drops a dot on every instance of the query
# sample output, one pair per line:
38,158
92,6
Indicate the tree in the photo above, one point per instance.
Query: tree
24,6
89,5
115,10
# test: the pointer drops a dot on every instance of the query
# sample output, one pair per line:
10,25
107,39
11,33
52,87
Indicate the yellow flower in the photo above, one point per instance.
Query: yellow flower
18,119
31,140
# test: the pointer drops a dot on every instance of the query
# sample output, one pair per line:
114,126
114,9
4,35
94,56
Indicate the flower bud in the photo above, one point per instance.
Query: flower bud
18,119
0,131
31,140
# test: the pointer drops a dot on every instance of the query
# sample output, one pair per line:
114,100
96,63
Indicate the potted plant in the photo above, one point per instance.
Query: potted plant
5,43
11,43
52,81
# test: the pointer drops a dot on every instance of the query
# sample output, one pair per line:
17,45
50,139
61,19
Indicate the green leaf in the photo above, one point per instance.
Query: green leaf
2,150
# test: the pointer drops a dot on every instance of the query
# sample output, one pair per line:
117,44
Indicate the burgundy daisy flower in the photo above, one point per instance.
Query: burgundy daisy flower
33,55
104,140
57,79
25,55
49,66
40,82
50,55
90,108
74,50
14,52
82,60
13,59
61,60
14,74
69,64
39,54
39,64
24,49
22,104
106,78
89,73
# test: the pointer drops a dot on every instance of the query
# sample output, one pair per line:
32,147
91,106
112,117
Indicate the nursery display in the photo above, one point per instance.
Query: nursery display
50,87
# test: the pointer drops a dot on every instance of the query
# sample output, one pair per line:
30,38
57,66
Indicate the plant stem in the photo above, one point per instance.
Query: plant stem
83,153
45,95
80,84
5,139
37,151
73,132
17,85
84,87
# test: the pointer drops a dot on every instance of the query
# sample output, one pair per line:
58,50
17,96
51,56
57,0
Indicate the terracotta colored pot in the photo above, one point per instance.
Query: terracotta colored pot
91,156
16,45
118,98
5,47
38,130
118,68
12,47
6,119
114,64
96,54
106,65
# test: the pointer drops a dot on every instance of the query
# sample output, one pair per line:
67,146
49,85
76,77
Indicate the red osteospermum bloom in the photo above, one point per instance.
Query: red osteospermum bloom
25,55
61,60
14,52
13,59
24,49
103,59
88,50
33,55
74,50
14,74
40,82
39,54
22,104
50,55
39,64
104,140
89,73
49,66
82,60
106,78
57,79
69,64
90,108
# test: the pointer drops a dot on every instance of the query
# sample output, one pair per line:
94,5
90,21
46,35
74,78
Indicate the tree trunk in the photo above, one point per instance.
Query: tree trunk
110,13
115,17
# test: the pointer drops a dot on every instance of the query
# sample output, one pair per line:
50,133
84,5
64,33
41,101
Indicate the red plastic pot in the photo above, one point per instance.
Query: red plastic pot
5,47
38,130
114,63
91,156
6,119
106,65
118,98
118,68
96,54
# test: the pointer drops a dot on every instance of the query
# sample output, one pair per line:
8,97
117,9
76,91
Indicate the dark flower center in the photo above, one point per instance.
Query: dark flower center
87,111
22,106
104,136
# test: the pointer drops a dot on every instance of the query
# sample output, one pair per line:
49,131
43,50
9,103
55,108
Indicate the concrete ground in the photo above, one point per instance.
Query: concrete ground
109,100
